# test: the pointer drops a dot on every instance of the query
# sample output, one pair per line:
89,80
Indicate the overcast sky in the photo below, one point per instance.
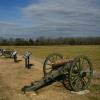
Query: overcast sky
49,18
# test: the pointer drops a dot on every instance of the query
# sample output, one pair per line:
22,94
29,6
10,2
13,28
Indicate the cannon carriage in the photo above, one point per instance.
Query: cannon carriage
75,74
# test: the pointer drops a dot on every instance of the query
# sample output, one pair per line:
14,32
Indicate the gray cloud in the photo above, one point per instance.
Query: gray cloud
66,17
61,18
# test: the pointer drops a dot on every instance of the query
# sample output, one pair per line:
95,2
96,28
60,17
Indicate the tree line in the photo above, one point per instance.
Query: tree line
50,41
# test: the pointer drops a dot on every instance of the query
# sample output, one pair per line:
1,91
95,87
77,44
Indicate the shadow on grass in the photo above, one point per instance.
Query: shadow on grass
18,61
29,66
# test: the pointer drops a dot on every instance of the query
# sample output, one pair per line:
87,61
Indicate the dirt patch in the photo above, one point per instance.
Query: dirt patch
13,76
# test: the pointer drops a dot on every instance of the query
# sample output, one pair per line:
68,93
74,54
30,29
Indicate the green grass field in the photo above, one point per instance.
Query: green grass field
92,51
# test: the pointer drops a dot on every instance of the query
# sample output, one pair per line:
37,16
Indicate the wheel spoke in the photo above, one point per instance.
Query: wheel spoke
84,82
51,60
77,66
74,74
78,83
48,68
49,64
74,79
85,65
82,62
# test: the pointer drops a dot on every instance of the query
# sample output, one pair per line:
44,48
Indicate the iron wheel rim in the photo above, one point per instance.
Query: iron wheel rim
80,73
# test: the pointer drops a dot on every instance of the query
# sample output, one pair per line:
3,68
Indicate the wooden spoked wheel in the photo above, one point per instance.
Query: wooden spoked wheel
80,73
51,59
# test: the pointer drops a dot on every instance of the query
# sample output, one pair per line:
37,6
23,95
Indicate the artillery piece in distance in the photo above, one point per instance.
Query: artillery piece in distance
9,53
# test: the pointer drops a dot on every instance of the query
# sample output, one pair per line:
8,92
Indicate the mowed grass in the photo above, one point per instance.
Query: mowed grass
91,51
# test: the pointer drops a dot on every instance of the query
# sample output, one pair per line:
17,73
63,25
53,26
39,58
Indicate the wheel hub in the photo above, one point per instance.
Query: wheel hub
82,74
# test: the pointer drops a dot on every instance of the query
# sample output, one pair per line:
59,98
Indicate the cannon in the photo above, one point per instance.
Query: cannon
75,74
27,59
9,53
